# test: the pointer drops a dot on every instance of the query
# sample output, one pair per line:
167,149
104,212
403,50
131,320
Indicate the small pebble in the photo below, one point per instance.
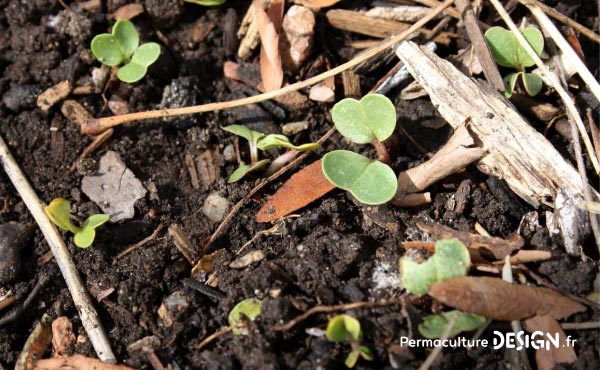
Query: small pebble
293,128
229,154
215,207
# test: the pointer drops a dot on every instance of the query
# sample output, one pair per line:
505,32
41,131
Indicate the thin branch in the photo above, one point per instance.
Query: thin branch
87,313
564,19
98,125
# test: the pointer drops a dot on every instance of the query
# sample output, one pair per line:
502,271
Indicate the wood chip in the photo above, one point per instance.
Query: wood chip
548,358
63,339
248,259
191,167
183,243
54,94
208,168
75,112
351,84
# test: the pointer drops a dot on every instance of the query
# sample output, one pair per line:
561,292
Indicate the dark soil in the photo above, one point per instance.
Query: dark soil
332,253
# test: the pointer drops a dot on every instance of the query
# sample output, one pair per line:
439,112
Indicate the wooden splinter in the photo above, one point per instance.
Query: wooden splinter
460,151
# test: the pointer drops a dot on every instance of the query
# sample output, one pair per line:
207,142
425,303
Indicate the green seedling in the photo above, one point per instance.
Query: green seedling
507,52
244,311
434,326
257,140
345,328
206,2
451,258
370,120
122,47
59,211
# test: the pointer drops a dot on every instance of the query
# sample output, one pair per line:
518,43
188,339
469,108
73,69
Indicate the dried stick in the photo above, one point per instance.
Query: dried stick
564,19
482,51
340,307
89,317
567,50
551,80
98,125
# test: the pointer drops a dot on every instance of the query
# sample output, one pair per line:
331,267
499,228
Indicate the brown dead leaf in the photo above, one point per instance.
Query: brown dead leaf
128,11
76,362
574,42
478,245
268,25
547,359
304,187
501,300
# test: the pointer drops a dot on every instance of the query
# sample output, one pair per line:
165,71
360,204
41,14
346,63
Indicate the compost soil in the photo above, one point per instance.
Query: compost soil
332,253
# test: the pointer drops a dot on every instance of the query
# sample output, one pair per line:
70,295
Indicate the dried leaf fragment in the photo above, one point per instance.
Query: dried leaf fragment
268,25
500,300
304,187
548,358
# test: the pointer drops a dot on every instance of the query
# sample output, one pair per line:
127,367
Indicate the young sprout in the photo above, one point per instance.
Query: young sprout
451,258
342,328
257,140
507,52
122,46
244,311
59,211
368,121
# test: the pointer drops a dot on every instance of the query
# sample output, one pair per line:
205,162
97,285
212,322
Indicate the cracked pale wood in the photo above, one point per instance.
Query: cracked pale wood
515,151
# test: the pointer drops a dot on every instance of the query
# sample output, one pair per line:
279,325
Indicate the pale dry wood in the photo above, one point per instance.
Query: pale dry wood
54,94
567,51
564,19
351,21
517,153
490,69
87,313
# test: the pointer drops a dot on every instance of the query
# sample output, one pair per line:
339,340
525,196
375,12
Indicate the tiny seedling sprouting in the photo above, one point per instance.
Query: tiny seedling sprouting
59,211
507,52
122,46
342,328
244,311
451,258
368,121
257,140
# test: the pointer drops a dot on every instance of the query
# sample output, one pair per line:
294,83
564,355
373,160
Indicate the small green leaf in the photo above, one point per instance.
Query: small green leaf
84,237
126,36
417,277
248,309
95,220
535,38
131,73
206,2
434,325
146,54
243,170
352,358
59,211
365,352
245,132
533,83
507,51
273,141
451,258
371,182
343,327
105,49
510,82
373,117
